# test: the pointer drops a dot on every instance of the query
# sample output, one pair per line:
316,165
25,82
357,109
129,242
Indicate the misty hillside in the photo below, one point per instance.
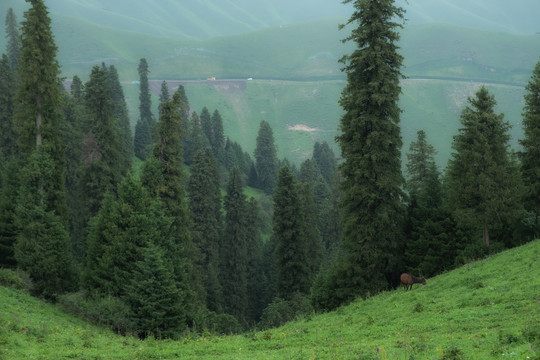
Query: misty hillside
288,47
202,19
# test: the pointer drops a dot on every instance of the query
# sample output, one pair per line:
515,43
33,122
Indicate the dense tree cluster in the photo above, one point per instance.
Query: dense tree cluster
176,244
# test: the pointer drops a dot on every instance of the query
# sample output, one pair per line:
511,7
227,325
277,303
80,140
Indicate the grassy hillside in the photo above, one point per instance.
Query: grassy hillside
487,309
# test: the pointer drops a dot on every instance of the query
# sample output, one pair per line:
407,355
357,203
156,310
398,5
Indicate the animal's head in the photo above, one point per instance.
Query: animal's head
423,281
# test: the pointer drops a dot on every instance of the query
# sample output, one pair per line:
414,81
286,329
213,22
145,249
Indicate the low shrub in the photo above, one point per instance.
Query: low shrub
15,279
107,311
281,311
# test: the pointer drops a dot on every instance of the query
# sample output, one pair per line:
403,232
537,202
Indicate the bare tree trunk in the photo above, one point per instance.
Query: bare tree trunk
485,235
38,122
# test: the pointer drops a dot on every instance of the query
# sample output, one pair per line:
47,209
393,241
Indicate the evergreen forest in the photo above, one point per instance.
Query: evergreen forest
168,227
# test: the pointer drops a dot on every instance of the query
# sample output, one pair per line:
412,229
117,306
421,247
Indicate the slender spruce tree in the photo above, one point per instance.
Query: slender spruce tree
293,269
118,236
157,306
164,94
530,155
9,188
120,114
14,42
257,282
429,245
484,186
42,247
325,159
37,116
145,125
164,177
206,126
205,209
370,144
218,138
266,162
103,158
234,256
74,113
8,85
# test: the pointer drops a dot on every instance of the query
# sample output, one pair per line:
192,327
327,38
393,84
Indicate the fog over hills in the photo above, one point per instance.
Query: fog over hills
451,46
203,19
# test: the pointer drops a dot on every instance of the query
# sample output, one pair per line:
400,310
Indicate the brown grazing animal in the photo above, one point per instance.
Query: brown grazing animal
408,280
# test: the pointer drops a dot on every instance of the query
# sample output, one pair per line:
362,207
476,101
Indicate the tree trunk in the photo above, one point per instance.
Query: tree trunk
38,122
485,235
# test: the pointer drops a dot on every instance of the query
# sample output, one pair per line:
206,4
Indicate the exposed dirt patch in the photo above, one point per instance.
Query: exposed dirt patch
302,127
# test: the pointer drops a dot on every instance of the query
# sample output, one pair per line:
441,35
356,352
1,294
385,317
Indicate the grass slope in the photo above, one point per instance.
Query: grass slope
487,309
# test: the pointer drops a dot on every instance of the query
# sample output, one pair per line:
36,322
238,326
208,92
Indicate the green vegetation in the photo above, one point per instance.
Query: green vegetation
484,310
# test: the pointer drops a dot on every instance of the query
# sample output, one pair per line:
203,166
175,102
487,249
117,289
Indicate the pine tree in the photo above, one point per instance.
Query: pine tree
291,245
311,230
205,209
14,43
257,283
8,138
42,247
428,246
530,155
72,139
9,187
164,176
118,235
484,182
145,125
120,114
206,127
155,301
266,162
370,144
164,94
325,159
103,158
218,139
234,256
37,116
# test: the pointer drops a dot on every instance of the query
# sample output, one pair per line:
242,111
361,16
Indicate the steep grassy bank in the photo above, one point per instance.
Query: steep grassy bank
488,309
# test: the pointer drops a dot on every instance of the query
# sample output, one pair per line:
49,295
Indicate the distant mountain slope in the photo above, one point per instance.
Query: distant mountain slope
203,19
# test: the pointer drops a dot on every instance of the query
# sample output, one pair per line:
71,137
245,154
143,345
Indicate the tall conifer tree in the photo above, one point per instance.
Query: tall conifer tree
266,162
430,246
14,43
42,248
164,176
144,128
120,113
234,256
293,270
103,158
484,183
205,209
530,155
37,115
8,85
218,138
370,144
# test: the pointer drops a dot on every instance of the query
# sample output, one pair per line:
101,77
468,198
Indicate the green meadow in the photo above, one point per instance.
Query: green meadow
487,309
